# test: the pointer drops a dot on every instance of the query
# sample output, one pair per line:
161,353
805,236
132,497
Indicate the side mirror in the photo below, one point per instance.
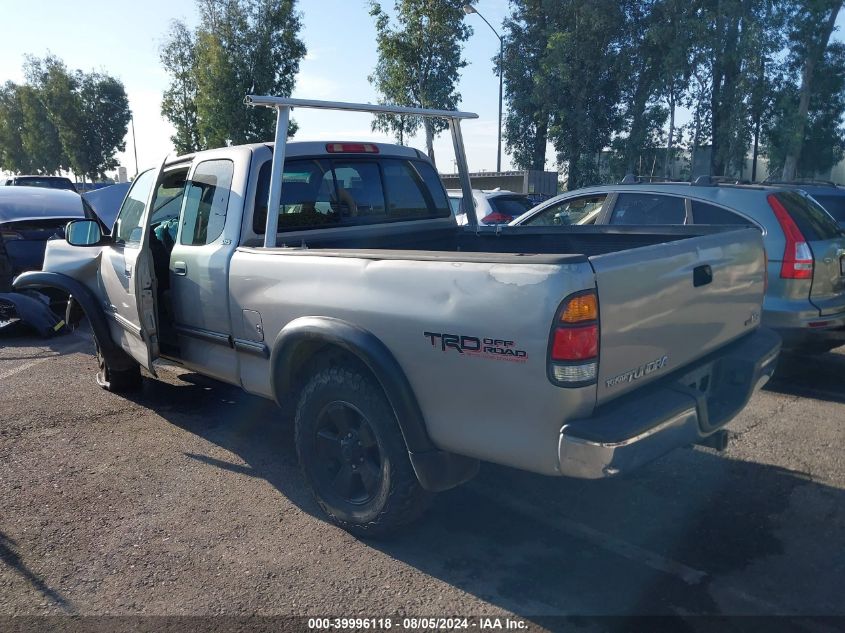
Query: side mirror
83,233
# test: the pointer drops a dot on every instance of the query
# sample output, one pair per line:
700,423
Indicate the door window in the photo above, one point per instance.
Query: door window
567,212
648,208
127,228
703,213
206,200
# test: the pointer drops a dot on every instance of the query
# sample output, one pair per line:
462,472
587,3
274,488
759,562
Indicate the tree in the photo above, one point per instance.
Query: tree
527,120
179,103
240,47
90,113
823,135
419,62
809,39
582,85
13,157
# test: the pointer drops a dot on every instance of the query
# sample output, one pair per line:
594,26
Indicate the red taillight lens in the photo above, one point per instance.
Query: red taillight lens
575,343
496,218
351,148
797,256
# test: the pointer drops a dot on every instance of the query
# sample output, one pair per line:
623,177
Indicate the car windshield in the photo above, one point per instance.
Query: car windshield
46,183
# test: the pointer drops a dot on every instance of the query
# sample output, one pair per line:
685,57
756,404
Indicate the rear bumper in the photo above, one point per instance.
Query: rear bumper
798,330
680,410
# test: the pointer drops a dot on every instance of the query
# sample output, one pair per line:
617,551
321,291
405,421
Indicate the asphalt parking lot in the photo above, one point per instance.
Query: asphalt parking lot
187,500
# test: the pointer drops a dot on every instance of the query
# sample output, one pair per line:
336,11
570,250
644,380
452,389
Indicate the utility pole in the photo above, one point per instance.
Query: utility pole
134,143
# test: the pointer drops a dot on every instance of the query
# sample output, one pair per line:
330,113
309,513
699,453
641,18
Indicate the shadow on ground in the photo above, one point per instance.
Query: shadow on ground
669,540
826,381
10,557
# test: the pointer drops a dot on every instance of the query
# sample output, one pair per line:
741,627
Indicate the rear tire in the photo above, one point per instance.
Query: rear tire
352,453
117,380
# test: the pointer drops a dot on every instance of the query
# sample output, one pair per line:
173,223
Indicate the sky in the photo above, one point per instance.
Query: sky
123,39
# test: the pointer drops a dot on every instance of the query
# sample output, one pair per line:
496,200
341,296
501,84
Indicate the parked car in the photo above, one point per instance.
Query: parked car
828,194
493,206
333,279
805,300
29,216
46,182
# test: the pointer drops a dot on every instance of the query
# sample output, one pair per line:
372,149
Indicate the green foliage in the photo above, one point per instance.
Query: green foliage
240,47
528,113
585,44
823,140
62,120
419,59
179,103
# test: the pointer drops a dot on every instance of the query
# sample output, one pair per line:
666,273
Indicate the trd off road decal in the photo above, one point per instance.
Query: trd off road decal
494,348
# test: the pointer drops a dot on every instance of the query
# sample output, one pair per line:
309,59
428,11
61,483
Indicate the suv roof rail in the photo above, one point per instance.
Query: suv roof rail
800,181
703,181
629,179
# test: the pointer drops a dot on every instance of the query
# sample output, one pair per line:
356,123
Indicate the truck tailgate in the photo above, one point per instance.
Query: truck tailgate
663,306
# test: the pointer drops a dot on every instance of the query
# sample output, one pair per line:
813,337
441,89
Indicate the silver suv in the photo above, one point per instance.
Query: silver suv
805,300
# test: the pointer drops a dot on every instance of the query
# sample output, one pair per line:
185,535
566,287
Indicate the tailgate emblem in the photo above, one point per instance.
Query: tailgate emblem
638,372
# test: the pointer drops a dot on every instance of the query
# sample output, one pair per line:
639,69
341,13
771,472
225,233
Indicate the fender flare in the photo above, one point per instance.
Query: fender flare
436,470
114,355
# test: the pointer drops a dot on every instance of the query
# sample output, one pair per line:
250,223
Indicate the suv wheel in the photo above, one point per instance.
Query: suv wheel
352,453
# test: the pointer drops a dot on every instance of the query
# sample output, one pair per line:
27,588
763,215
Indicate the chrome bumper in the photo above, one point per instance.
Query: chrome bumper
640,427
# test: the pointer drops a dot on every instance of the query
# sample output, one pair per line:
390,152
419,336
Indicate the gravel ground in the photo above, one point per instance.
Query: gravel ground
187,500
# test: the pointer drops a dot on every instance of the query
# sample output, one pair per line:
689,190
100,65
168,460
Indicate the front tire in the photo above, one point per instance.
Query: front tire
117,380
352,453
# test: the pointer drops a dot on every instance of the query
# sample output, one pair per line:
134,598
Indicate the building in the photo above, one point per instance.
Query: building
530,181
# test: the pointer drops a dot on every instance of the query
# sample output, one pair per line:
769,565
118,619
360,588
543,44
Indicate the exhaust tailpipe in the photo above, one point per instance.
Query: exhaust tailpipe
717,441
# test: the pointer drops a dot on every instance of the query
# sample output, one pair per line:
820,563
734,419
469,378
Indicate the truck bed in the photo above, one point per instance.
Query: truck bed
545,244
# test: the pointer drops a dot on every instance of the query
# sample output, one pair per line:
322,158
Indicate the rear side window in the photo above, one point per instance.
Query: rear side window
206,200
349,191
834,205
648,208
510,205
703,213
813,221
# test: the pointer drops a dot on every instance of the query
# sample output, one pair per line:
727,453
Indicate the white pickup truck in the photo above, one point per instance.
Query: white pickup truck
407,347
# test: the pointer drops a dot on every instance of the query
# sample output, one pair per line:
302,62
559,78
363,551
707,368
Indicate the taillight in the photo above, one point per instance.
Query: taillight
496,218
574,344
797,256
351,148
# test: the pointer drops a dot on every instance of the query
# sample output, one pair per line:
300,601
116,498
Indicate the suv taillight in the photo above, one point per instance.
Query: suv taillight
797,256
574,341
496,218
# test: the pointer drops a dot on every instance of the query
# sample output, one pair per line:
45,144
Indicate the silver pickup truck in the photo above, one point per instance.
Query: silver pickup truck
406,347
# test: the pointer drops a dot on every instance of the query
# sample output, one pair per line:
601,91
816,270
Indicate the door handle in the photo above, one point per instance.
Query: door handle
180,268
702,275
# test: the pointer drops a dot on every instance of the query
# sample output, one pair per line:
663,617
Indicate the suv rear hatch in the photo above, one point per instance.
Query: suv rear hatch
662,307
827,243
